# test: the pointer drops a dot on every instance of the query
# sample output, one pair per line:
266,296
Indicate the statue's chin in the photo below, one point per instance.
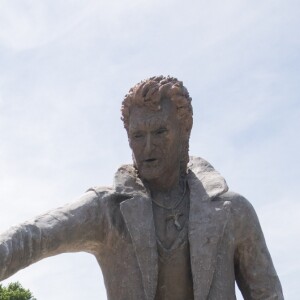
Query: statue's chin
149,173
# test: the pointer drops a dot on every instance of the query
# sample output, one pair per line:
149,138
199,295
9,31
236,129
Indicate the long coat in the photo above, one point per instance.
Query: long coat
116,225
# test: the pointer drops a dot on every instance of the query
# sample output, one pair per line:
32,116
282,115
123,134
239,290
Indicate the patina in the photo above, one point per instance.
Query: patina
168,228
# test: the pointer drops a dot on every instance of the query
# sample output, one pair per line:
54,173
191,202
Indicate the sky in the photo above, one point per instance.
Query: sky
65,67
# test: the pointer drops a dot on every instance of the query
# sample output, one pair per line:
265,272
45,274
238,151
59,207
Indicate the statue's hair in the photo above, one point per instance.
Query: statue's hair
150,92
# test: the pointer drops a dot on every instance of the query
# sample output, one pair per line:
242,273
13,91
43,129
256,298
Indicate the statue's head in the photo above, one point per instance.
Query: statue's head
158,118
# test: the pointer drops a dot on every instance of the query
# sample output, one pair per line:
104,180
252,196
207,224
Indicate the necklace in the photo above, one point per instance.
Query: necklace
175,213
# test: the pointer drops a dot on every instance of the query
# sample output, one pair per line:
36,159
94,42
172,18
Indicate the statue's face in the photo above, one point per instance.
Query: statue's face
155,140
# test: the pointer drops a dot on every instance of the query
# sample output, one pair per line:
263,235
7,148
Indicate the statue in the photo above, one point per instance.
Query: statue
168,229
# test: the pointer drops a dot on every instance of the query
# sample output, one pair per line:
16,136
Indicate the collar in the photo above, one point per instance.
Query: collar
126,180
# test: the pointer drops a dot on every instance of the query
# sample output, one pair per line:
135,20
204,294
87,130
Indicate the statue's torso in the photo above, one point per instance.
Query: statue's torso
175,280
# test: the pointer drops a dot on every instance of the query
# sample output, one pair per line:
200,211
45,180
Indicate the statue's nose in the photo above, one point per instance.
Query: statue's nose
149,145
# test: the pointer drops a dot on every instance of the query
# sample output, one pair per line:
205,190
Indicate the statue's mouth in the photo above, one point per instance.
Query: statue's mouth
149,160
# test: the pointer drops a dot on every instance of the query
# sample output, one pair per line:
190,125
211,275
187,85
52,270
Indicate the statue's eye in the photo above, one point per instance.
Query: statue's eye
137,135
161,130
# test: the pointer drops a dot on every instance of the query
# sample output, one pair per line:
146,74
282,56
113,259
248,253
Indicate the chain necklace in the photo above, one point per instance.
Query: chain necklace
175,213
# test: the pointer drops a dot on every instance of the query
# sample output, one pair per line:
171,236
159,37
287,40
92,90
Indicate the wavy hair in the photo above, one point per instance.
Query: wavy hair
150,92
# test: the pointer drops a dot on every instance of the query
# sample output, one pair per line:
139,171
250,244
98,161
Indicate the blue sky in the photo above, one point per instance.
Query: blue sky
65,67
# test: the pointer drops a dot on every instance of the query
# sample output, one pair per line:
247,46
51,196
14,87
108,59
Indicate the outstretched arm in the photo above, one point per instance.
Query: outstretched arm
255,273
72,228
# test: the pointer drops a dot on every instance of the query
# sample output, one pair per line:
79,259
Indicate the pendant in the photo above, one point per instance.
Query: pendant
175,217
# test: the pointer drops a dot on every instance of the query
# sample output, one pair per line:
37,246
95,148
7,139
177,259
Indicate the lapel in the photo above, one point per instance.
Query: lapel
138,216
207,222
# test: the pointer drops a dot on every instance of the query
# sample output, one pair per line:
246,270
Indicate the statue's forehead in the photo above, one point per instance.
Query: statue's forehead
146,113
164,113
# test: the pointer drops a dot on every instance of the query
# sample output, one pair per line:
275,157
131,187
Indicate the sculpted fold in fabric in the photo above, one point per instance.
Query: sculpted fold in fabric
116,225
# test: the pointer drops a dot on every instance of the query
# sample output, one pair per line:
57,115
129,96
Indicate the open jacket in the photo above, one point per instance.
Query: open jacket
116,225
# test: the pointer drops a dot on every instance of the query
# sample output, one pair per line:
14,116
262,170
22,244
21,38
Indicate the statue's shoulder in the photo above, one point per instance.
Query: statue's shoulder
243,213
106,195
100,191
125,184
237,201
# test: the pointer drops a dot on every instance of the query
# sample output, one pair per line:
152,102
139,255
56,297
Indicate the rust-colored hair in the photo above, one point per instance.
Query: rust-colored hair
150,92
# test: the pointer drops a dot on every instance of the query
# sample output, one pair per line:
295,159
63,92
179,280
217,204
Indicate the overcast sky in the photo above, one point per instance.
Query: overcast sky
65,67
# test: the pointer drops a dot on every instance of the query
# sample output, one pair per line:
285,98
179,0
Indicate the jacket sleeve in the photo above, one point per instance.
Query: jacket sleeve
72,228
254,270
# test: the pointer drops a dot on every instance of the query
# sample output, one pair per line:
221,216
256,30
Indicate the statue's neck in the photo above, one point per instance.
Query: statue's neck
167,191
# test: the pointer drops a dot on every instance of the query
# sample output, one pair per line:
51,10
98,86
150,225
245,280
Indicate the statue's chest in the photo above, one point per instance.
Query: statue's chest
174,270
174,266
171,224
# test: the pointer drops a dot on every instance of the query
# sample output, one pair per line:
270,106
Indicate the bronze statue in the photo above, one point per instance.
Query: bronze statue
168,229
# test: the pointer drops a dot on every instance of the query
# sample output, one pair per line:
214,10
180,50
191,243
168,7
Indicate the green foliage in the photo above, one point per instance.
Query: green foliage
15,291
